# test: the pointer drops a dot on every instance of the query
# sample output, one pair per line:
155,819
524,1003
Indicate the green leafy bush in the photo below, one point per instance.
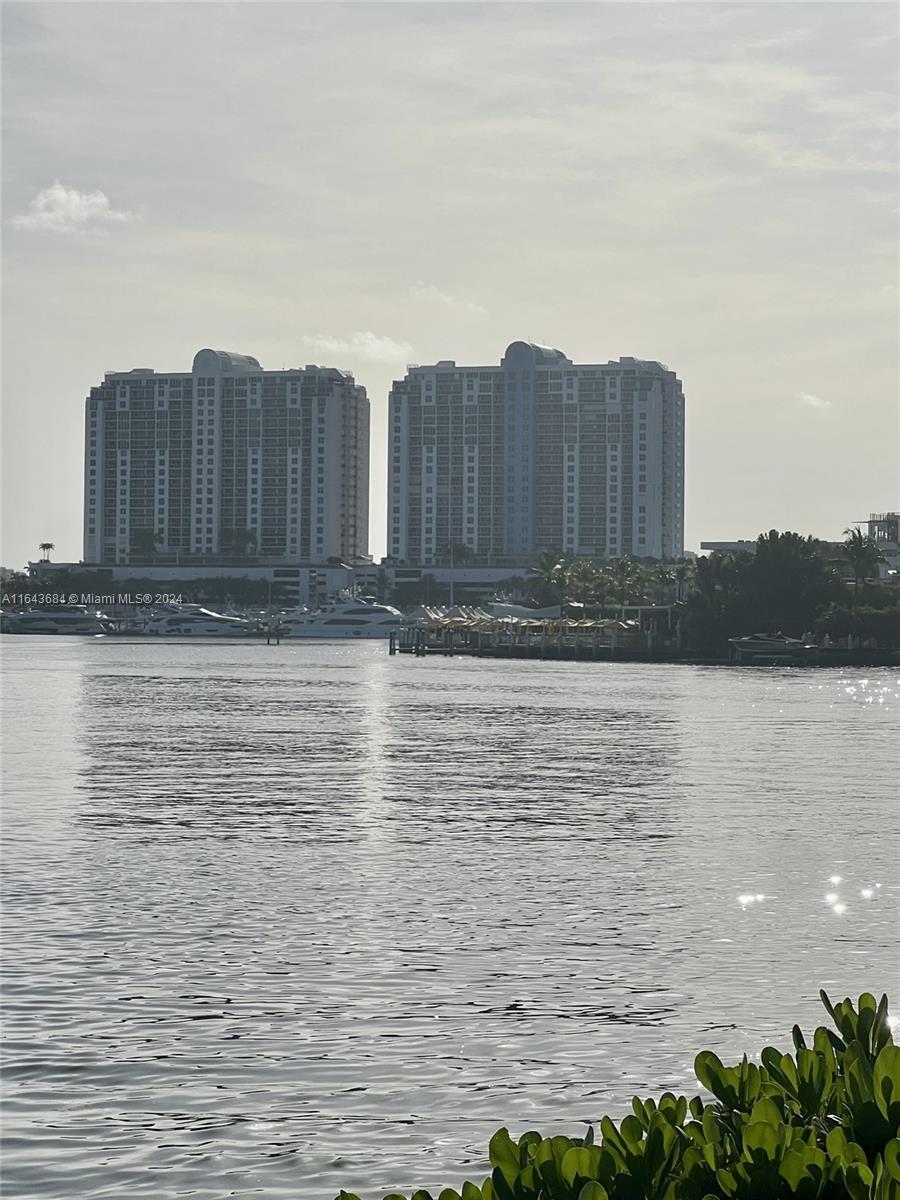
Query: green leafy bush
820,1123
881,623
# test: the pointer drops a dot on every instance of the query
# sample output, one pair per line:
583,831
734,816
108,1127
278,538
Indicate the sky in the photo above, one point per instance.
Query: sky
367,185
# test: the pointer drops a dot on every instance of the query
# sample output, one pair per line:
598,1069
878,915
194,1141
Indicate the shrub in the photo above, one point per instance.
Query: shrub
820,1123
883,624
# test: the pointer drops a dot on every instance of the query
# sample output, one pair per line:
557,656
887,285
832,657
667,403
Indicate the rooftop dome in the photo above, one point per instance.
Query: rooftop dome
532,354
223,362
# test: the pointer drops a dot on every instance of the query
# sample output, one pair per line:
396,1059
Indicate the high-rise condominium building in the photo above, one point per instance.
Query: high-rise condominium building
537,453
227,460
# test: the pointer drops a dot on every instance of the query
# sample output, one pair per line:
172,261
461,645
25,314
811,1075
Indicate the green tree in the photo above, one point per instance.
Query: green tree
661,582
45,548
549,576
783,586
785,582
582,581
455,554
705,623
682,573
239,541
143,542
626,580
862,554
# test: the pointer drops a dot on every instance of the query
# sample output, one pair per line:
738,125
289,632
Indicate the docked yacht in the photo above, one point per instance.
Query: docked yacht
345,619
760,645
192,620
66,619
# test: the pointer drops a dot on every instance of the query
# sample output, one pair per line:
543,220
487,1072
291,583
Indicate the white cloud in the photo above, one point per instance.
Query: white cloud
61,209
363,344
812,401
428,292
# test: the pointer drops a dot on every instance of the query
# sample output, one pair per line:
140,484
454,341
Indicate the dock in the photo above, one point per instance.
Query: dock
597,641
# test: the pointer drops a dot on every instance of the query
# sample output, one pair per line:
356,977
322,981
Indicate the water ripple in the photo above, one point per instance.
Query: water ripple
287,919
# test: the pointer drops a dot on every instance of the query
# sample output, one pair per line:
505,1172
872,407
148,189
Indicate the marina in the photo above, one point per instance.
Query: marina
651,636
355,618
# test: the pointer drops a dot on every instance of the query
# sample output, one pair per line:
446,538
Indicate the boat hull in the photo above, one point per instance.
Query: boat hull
771,648
335,635
47,627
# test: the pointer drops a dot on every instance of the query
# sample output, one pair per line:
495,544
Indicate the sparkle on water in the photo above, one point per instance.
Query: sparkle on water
293,918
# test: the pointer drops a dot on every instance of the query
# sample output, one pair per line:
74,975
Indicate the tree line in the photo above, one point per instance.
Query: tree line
789,583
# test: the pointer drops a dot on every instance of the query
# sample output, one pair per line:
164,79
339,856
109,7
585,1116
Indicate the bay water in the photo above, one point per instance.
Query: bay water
280,920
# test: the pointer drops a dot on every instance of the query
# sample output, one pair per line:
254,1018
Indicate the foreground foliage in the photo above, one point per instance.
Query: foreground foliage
821,1122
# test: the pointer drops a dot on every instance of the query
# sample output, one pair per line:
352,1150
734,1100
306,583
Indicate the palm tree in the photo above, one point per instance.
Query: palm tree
582,581
45,548
863,555
144,542
626,579
455,554
239,541
551,573
682,573
661,578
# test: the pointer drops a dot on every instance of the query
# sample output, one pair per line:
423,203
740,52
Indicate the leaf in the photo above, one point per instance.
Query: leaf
632,1131
504,1189
762,1138
504,1154
766,1110
793,1169
593,1191
726,1181
892,1159
858,1180
611,1135
886,1082
708,1068
823,996
580,1163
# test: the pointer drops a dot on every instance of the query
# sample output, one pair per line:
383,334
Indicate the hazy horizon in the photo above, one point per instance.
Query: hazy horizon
367,185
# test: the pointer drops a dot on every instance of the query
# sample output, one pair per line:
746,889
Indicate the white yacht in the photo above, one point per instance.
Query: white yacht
68,619
192,620
770,646
344,619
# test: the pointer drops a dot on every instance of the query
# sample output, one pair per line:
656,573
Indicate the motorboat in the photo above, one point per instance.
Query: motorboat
193,620
67,619
777,645
344,619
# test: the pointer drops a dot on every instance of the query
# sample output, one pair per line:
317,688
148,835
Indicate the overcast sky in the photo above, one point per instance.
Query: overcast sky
366,185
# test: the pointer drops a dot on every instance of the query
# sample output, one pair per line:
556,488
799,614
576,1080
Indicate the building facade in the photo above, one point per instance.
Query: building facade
226,461
884,530
536,453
